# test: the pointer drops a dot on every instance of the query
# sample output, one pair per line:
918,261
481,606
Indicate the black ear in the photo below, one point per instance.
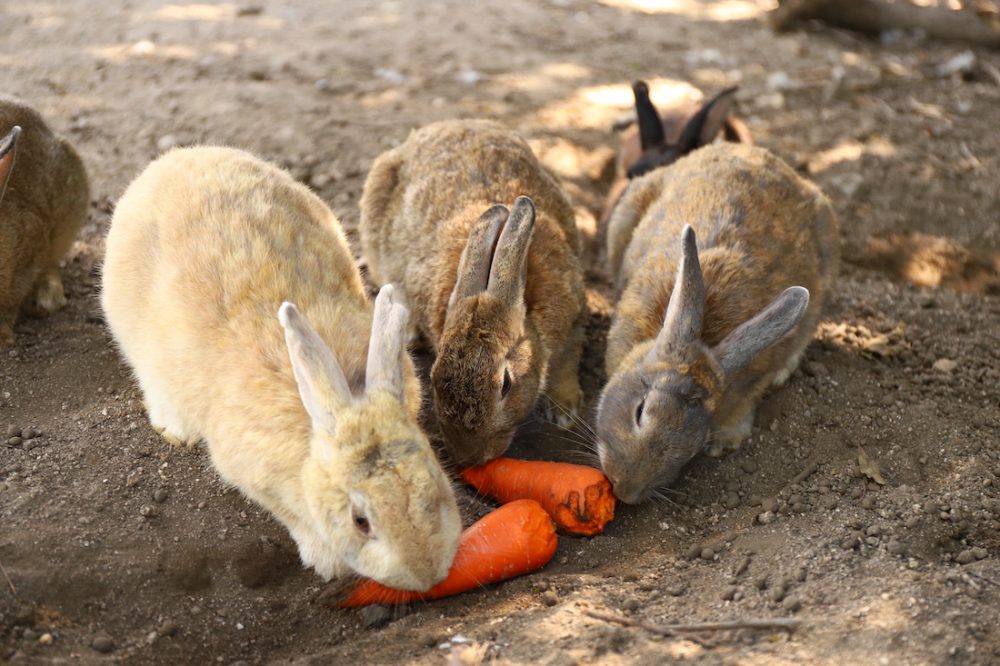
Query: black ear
705,125
650,125
7,146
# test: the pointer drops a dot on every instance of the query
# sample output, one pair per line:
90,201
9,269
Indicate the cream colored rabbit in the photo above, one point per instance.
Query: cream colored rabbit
498,292
313,422
44,196
699,333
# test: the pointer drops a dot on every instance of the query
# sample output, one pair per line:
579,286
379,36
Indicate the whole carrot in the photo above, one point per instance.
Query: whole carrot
515,539
578,498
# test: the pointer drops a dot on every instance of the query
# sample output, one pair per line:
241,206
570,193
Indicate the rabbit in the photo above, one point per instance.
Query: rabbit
232,294
661,139
696,340
44,195
496,291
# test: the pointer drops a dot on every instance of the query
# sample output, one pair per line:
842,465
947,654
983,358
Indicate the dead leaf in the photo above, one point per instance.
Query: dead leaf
869,467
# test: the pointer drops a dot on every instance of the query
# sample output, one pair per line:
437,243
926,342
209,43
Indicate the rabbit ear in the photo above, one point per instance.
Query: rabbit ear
740,347
7,146
322,385
508,273
682,323
474,266
650,125
703,126
387,347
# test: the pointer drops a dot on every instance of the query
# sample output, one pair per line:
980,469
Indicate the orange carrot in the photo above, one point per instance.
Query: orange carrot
578,498
515,539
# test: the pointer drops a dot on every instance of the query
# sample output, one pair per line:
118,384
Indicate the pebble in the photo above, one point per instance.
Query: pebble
631,605
707,554
791,604
944,365
102,643
375,616
160,495
729,593
550,598
693,552
13,431
731,500
168,628
166,142
677,589
14,441
800,574
29,635
749,466
31,433
980,553
766,518
896,547
912,522
769,504
777,593
965,557
868,502
45,639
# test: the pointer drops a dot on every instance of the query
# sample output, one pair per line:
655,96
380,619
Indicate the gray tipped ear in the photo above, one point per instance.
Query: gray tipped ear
767,327
474,266
705,125
7,150
387,346
682,323
322,385
650,125
508,274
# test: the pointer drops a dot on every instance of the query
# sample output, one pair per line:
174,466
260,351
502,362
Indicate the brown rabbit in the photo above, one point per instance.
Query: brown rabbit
689,356
43,202
656,139
497,292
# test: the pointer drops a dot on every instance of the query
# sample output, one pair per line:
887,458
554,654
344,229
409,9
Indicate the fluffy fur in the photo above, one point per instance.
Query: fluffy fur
760,230
204,247
428,216
43,206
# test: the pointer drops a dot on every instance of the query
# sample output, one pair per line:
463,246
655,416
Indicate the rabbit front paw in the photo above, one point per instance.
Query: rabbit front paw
49,295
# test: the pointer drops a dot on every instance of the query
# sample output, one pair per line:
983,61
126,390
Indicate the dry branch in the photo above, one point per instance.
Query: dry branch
674,630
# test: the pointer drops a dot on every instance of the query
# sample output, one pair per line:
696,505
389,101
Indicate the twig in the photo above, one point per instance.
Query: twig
648,626
806,473
789,623
992,71
982,578
9,581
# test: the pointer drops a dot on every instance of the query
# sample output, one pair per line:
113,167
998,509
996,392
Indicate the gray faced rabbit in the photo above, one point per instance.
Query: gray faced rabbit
659,139
498,292
44,196
696,340
299,409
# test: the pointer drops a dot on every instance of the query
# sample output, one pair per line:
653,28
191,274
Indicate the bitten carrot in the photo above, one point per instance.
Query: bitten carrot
578,498
515,539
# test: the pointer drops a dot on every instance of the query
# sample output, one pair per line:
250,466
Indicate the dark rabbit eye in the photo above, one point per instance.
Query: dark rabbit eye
505,389
638,411
361,522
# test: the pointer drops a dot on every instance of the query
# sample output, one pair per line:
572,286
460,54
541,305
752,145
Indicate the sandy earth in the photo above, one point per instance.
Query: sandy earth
116,547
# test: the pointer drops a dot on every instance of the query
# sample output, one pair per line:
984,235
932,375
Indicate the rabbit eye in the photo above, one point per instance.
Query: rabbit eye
361,522
638,412
505,389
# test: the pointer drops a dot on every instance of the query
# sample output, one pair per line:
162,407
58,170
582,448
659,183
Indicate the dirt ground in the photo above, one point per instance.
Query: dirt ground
117,548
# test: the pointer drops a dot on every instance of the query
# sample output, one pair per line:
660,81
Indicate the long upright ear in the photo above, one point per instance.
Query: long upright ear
7,150
705,125
474,266
650,125
387,346
774,322
682,323
509,271
322,385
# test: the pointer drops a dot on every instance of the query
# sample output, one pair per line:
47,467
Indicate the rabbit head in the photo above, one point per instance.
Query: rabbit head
486,377
374,489
7,149
699,130
656,412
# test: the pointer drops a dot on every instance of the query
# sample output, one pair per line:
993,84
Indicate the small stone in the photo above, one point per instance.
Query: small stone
14,441
166,142
13,431
749,466
31,433
911,522
707,554
631,605
45,639
944,365
777,593
160,495
729,593
761,583
965,557
873,530
693,552
868,502
800,574
323,85
770,504
29,635
147,511
168,628
896,547
791,604
766,518
102,643
731,500
677,589
375,616
550,598
980,553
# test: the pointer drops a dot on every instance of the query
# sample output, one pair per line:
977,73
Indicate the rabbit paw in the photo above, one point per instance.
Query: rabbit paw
563,412
175,440
49,294
729,437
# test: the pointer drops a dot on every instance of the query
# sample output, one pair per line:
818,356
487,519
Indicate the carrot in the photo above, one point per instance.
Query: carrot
578,498
515,539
